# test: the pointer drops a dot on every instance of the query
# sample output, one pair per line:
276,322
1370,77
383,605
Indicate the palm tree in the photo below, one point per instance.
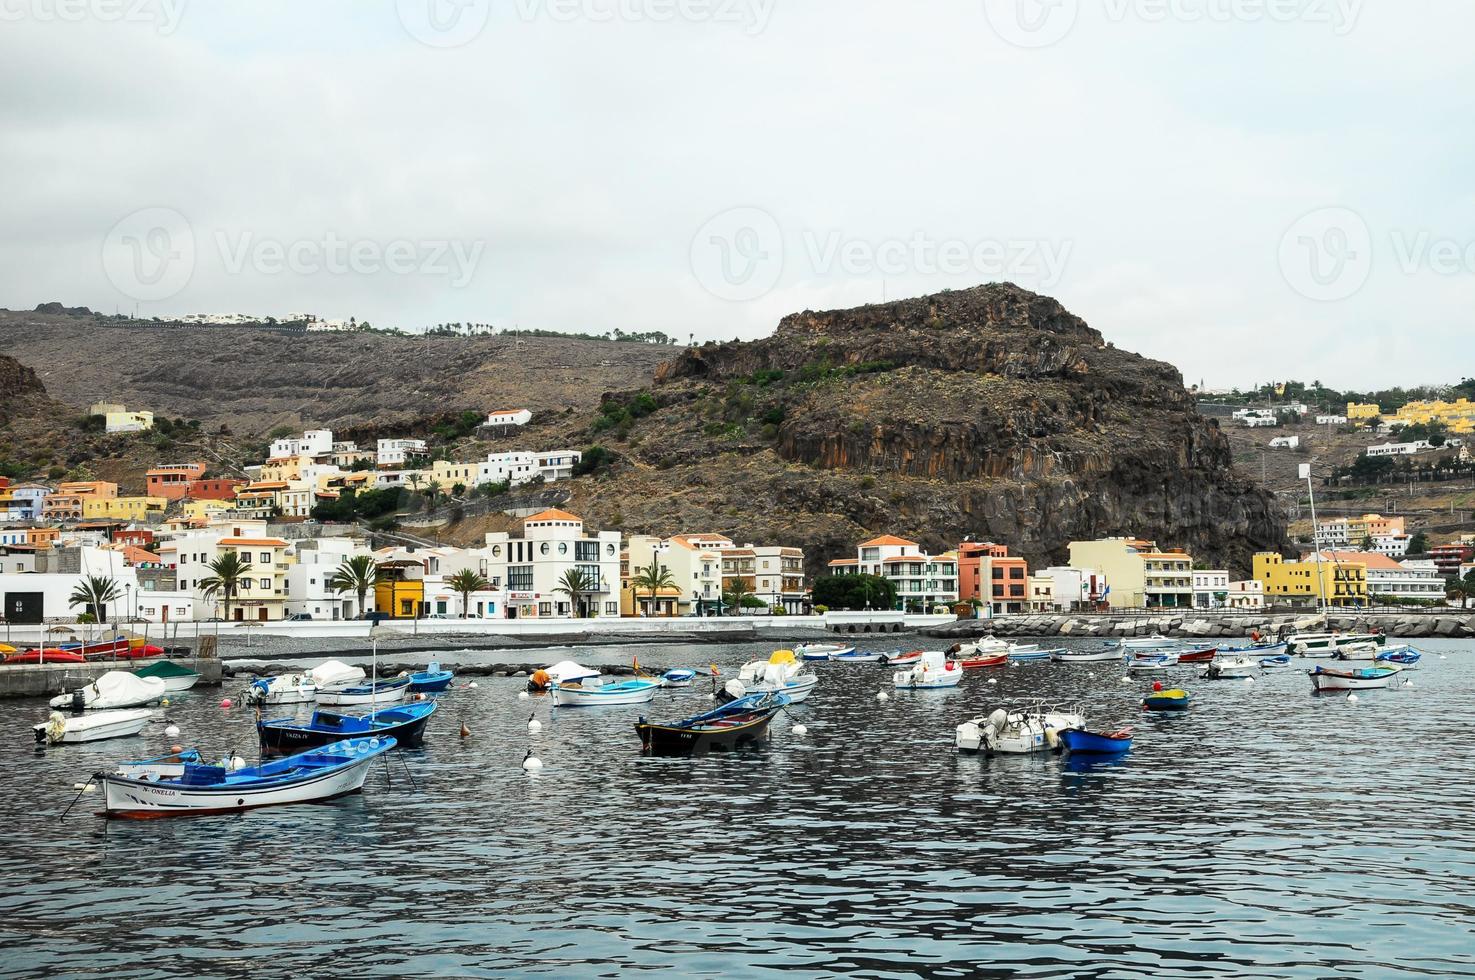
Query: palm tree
229,573
358,575
432,493
466,582
94,593
651,580
575,584
735,593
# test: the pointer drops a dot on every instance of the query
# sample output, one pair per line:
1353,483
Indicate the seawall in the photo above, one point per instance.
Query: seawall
1453,623
44,680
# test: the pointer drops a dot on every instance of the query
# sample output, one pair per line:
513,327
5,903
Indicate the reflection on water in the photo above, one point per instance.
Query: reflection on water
1263,833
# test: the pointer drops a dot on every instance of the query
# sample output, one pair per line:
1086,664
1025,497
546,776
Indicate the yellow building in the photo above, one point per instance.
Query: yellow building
1326,577
400,589
1357,411
122,508
202,509
1457,416
263,592
448,473
1138,573
280,469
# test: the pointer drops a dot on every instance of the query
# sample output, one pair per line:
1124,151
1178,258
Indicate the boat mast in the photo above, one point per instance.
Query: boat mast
1315,542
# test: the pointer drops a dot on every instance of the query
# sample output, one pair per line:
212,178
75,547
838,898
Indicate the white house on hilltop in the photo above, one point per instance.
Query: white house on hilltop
511,416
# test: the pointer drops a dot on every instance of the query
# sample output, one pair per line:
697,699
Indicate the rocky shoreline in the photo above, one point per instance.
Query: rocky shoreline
1456,624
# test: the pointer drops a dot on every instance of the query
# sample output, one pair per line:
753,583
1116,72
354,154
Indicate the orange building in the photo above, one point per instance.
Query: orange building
988,573
172,482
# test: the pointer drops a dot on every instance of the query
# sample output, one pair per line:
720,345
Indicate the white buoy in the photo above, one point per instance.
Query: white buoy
472,684
882,696
1126,680
993,680
531,763
236,763
522,695
534,725
801,730
1351,697
172,731
1408,682
1249,680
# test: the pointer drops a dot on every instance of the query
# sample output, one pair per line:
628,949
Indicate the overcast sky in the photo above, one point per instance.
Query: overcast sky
1250,189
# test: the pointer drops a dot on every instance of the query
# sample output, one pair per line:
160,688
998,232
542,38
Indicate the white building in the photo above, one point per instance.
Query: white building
1075,588
313,443
1331,420
531,567
511,416
314,562
1286,442
1255,418
558,464
1247,594
1410,579
922,580
1210,588
1399,448
694,562
398,452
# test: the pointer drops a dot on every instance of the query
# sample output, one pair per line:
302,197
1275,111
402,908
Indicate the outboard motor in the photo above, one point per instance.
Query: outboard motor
79,701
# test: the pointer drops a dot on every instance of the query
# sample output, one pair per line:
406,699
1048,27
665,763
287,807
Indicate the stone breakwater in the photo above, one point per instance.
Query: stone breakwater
1456,624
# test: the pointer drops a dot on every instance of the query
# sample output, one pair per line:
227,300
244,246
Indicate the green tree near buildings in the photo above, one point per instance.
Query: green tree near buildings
228,574
357,575
854,592
465,582
94,593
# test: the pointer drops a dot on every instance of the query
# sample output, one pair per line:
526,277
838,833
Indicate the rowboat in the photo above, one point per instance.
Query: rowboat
1174,700
1154,642
309,777
1150,662
1096,743
1255,650
1364,678
1204,656
933,671
1108,655
45,656
405,723
176,677
678,677
1275,663
95,727
733,726
387,691
1018,731
1309,644
1025,653
282,689
563,672
821,651
853,656
595,691
1231,668
904,659
115,689
1358,651
980,662
431,680
1406,657
781,673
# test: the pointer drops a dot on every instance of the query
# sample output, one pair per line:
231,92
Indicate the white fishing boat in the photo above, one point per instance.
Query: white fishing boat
1154,642
115,689
282,689
1368,652
1325,644
1359,679
563,672
93,727
377,692
821,651
1146,663
596,691
1018,731
981,648
335,673
1024,653
781,673
933,671
1230,668
1108,655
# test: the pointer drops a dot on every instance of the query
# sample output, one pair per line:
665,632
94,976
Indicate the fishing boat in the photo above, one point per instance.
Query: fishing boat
309,777
782,673
1028,653
93,727
563,672
176,677
985,647
160,767
388,691
1406,657
1358,679
980,662
1324,644
1017,731
405,723
1229,668
1367,652
679,677
282,689
335,673
1107,655
733,726
1255,650
431,680
932,671
115,689
596,691
1154,642
1171,700
854,656
1081,741
904,658
1275,663
1202,656
1152,662
822,651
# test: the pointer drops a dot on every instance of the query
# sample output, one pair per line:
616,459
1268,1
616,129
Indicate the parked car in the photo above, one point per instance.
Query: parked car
299,618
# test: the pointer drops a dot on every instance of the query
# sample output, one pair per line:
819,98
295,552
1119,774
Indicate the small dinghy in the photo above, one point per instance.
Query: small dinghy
1017,731
933,671
904,658
1406,657
45,656
733,726
821,651
431,680
1108,655
1080,741
115,689
1276,662
679,677
282,689
779,674
309,777
1029,653
982,662
1171,700
1365,678
596,691
388,691
93,727
405,723
1203,656
1153,662
176,677
854,656
1232,668
563,672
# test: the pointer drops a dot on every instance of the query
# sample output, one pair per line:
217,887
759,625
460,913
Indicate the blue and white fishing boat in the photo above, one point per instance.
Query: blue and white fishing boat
1153,662
1029,653
431,680
1365,678
822,651
405,723
597,691
1275,663
388,691
1255,650
854,656
309,777
1405,656
679,677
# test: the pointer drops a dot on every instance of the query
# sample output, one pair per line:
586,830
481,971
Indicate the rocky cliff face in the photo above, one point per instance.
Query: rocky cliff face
991,412
20,390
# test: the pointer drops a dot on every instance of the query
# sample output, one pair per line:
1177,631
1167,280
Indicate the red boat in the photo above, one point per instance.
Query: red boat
978,663
135,653
48,656
1198,656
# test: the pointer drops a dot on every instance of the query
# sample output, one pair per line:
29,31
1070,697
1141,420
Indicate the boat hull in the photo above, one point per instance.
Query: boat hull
385,692
666,740
287,738
1351,680
613,695
96,727
1166,701
138,799
979,663
1094,657
1092,743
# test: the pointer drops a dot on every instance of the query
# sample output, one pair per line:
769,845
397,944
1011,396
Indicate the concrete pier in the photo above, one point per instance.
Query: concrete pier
45,680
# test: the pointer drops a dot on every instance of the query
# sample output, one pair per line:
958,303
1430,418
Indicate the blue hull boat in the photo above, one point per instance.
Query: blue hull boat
1283,660
404,723
1080,740
432,680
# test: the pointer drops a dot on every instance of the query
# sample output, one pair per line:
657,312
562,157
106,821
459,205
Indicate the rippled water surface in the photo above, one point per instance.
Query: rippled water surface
1266,833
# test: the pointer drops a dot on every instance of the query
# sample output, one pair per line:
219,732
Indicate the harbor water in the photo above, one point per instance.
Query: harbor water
1267,832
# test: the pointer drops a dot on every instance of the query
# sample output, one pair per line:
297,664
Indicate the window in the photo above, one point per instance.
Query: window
563,547
266,558
520,578
611,609
545,609
609,549
266,583
544,548
496,551
586,551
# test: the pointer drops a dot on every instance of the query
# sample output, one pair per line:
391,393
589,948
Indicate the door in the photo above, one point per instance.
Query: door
24,607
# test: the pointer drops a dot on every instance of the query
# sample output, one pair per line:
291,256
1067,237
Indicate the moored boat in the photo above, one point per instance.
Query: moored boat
92,727
1324,644
821,651
980,662
1154,642
782,673
679,677
1017,731
563,672
901,658
1107,655
854,656
1175,699
1152,662
1229,668
405,723
114,689
176,677
932,671
1200,656
282,689
1367,652
1406,657
1277,662
1080,740
309,777
388,691
732,726
1359,679
431,680
595,691
45,655
1027,653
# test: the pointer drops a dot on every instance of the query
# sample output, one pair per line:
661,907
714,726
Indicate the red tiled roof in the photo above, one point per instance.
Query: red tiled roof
887,539
553,515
